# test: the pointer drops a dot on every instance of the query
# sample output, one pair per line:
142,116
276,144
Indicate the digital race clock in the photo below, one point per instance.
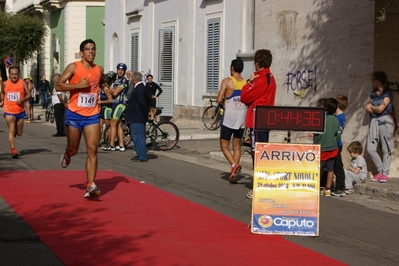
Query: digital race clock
290,118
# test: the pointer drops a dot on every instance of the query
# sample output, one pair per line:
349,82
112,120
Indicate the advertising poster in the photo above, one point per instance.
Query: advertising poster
285,197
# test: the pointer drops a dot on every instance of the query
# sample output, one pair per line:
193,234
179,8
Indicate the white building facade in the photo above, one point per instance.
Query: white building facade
68,23
186,45
320,49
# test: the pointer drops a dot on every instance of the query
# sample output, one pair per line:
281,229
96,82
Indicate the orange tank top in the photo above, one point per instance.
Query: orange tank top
85,101
13,92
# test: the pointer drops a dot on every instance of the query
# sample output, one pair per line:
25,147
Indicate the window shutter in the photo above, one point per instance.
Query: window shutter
165,70
213,56
134,63
165,62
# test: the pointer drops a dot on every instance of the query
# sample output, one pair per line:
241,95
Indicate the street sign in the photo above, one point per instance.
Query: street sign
8,62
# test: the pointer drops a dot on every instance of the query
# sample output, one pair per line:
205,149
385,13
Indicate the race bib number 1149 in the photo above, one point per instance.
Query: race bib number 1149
87,99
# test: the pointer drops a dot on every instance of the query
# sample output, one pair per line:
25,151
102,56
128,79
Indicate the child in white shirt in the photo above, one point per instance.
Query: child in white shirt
357,171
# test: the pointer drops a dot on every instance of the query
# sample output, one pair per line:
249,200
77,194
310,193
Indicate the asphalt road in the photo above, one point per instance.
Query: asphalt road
354,230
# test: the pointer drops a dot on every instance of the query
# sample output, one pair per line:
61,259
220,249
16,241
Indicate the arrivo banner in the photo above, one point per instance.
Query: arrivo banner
285,197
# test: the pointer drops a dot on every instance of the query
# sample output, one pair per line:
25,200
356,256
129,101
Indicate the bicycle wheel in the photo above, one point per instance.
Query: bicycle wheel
51,115
47,114
106,135
166,135
149,133
127,137
211,117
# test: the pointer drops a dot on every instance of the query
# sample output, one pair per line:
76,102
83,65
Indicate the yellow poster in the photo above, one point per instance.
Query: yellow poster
285,197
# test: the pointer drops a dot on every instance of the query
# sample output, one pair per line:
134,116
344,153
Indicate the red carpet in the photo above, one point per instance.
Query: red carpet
137,224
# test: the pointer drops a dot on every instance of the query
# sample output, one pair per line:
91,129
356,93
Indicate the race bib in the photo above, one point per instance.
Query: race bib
13,96
87,100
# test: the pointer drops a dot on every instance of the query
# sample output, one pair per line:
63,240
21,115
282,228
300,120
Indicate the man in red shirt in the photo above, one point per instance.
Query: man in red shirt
260,90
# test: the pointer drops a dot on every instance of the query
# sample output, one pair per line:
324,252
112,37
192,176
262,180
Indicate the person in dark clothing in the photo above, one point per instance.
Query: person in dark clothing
44,90
137,112
153,91
58,100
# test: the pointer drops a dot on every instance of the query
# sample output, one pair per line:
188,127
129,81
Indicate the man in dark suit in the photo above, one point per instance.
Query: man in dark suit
137,112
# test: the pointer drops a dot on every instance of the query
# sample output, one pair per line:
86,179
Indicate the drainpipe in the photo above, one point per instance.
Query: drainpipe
248,29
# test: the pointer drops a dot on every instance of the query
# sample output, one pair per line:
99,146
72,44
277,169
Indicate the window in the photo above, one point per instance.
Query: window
134,63
213,56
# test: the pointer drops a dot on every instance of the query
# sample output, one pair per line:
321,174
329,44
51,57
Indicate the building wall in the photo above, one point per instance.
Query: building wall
322,49
57,19
189,18
386,58
95,16
76,29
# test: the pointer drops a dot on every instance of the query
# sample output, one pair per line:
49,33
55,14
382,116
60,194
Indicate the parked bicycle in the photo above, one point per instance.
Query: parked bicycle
212,115
49,115
162,136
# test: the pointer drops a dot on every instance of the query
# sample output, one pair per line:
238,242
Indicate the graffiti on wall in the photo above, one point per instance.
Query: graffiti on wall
302,80
286,20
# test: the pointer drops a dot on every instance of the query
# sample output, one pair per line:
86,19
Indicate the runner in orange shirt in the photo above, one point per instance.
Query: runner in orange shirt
14,94
83,79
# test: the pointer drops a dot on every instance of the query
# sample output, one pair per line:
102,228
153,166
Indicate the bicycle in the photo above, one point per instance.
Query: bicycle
162,136
212,115
50,113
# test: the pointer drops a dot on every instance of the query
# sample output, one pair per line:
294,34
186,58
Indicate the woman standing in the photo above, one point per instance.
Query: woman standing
31,102
153,91
382,127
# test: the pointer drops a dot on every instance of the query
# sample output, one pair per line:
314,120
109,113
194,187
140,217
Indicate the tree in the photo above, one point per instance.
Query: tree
21,36
383,10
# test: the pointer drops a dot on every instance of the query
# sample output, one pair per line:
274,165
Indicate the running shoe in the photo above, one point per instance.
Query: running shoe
92,191
14,154
249,194
383,179
120,148
349,191
321,191
235,169
338,193
376,178
65,160
327,193
109,148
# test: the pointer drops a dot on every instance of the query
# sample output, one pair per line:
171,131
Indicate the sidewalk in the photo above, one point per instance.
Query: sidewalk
194,130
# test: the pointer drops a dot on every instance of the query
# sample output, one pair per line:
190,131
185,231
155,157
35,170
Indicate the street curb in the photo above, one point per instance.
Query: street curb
380,193
197,136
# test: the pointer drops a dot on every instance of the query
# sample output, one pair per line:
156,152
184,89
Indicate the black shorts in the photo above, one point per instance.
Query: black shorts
327,165
153,103
31,101
226,132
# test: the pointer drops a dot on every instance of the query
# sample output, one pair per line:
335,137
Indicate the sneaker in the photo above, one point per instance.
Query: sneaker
92,191
321,191
108,148
65,160
383,179
249,194
14,154
235,169
327,193
376,178
338,193
349,191
120,148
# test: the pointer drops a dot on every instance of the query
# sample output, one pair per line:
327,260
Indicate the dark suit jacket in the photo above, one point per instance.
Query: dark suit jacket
137,108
